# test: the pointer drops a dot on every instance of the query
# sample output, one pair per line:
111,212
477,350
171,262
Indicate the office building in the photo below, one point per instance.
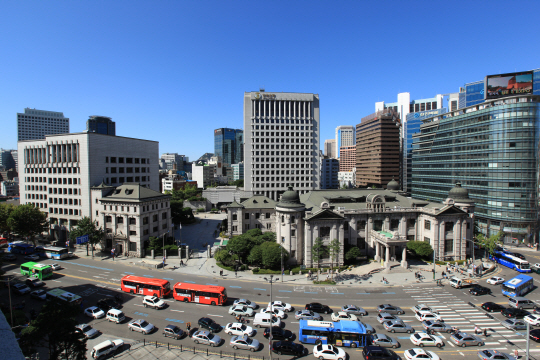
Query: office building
238,171
378,149
492,149
9,187
56,173
228,144
203,175
347,179
101,125
6,159
282,140
347,160
172,161
36,124
345,136
329,173
330,148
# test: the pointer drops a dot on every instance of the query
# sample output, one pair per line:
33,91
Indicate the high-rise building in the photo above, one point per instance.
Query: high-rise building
347,160
56,173
238,171
227,143
239,151
344,137
281,137
101,125
378,149
35,124
172,161
6,159
329,173
330,148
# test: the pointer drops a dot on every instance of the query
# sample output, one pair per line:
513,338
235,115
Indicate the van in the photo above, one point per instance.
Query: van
265,320
115,315
519,302
107,347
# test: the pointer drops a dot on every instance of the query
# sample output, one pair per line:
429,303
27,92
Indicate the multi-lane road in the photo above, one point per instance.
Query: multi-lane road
96,279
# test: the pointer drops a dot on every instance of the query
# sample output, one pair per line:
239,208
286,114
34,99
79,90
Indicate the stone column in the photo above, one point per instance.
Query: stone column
442,240
377,251
387,258
341,239
403,227
457,240
435,237
404,258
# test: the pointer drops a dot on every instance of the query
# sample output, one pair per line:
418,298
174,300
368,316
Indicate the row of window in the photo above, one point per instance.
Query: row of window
65,191
282,185
128,170
283,172
284,166
283,140
282,121
128,160
64,211
65,201
122,180
283,133
60,170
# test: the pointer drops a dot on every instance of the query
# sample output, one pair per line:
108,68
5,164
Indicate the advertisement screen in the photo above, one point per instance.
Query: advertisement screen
502,85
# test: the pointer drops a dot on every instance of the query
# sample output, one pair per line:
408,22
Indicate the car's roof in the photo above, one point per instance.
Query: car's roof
234,324
172,327
202,332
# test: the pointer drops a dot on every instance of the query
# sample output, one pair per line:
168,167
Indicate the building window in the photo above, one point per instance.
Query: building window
449,245
234,228
235,217
164,216
268,225
132,221
246,216
324,231
132,246
164,226
293,253
411,223
346,226
155,229
154,218
268,215
145,232
427,225
119,220
378,225
133,233
394,224
293,232
246,226
361,242
426,239
108,219
145,220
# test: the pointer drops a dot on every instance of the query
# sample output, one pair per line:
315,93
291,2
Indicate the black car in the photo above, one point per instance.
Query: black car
319,308
536,310
278,333
519,256
514,313
209,324
9,257
535,335
379,353
479,290
491,306
288,348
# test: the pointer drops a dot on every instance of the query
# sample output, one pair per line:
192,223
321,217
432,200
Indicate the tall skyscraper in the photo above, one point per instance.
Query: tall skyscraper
35,124
345,136
227,145
347,160
281,142
330,148
6,159
101,125
172,160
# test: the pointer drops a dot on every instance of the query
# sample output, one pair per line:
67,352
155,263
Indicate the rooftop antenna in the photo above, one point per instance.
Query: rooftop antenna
261,88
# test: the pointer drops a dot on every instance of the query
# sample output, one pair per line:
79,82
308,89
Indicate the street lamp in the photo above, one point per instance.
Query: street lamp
271,281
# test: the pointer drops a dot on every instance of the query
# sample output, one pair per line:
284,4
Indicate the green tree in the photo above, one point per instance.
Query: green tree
240,245
352,254
224,257
5,212
420,248
239,183
271,255
491,243
177,211
334,249
318,250
28,221
255,255
86,226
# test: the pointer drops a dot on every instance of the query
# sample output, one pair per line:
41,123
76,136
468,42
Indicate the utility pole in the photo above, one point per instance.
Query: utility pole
271,281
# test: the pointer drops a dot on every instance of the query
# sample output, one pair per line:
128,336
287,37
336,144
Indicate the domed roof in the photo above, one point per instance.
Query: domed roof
392,185
459,194
290,199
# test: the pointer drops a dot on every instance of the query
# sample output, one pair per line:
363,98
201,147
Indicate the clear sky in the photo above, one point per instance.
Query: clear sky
173,71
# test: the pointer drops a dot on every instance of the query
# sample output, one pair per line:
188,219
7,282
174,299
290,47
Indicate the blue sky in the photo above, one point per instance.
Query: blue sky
173,71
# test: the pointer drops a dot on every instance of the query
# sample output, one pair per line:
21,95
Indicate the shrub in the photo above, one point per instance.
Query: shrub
214,209
324,282
255,270
420,248
200,210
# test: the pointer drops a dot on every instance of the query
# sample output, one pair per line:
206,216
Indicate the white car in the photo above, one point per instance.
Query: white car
153,302
94,312
245,302
33,257
342,315
239,329
423,307
427,315
56,266
495,280
422,339
285,307
278,313
532,319
329,352
416,354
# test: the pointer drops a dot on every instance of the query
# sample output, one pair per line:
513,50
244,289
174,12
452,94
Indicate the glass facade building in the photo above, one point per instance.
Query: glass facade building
101,125
228,145
492,150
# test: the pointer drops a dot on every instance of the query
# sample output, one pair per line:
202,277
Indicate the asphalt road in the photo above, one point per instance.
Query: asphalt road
95,279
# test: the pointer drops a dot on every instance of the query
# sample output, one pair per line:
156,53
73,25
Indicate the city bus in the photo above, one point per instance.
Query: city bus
41,271
62,295
202,294
511,261
341,333
145,286
518,286
19,247
52,252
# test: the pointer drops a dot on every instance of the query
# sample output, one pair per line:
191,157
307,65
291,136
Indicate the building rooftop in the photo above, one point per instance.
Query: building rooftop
131,192
84,133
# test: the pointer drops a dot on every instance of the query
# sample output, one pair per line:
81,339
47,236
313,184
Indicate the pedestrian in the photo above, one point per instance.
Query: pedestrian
476,330
188,326
309,274
485,332
235,273
181,262
516,353
220,272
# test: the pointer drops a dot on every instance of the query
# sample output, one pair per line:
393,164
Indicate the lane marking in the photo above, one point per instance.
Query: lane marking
285,291
177,310
259,289
125,272
191,282
212,284
168,279
236,287
215,315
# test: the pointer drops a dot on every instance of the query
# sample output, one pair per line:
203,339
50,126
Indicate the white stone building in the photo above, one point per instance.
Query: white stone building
347,179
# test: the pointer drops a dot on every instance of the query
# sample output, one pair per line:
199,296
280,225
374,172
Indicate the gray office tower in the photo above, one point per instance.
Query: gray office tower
101,125
34,124
281,142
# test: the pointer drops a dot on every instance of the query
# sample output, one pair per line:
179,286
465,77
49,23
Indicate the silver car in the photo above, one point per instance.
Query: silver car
86,330
246,302
206,338
514,324
244,342
398,326
463,339
384,341
391,309
241,310
384,317
436,326
369,328
141,326
353,309
307,315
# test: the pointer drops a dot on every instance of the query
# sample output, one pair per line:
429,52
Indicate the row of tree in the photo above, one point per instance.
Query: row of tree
24,220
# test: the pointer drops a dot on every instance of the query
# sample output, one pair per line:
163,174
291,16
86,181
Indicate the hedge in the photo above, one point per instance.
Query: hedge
324,282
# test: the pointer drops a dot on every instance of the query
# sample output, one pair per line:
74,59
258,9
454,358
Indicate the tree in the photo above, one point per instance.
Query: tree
420,248
224,257
5,212
352,254
86,226
271,255
28,221
491,243
334,249
318,250
176,211
255,255
240,245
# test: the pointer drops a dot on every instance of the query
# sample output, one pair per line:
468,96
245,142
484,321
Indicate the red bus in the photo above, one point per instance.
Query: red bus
202,294
145,286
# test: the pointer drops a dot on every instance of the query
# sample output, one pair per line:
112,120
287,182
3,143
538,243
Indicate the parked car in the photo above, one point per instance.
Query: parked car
244,342
463,339
209,324
307,315
387,308
422,339
9,257
56,266
278,333
398,326
422,307
383,317
241,310
479,290
86,330
206,338
317,307
495,280
341,315
239,329
491,306
20,288
514,324
420,354
289,348
276,312
438,326
153,302
426,315
108,303
379,353
494,355
384,341
514,313
31,257
34,282
141,326
369,328
353,309
94,312
285,307
173,331
329,352
245,302
106,347
535,335
39,294
533,319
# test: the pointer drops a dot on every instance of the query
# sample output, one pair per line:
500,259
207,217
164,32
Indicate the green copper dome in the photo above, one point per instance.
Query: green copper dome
392,185
459,194
290,199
